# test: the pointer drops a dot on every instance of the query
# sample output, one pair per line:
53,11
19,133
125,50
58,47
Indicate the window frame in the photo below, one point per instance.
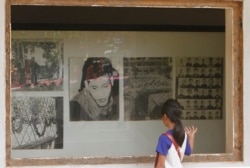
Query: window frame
235,82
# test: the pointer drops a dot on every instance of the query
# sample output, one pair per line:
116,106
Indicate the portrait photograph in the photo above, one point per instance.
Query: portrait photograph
199,86
94,89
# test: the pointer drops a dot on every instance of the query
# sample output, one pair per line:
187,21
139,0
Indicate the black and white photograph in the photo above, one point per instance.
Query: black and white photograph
147,84
36,122
36,65
199,87
94,86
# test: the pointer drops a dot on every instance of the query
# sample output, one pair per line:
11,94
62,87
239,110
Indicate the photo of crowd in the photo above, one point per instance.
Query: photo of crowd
199,87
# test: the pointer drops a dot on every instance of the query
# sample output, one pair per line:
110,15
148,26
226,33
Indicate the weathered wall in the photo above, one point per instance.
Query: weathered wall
246,97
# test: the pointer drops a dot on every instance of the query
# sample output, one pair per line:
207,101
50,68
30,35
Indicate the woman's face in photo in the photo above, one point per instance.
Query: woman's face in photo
100,89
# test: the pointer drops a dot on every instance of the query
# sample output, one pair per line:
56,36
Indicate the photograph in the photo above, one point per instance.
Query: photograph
199,86
36,122
147,84
94,89
36,65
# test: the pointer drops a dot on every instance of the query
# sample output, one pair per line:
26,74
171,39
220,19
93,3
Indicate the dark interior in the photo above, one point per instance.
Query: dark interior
116,18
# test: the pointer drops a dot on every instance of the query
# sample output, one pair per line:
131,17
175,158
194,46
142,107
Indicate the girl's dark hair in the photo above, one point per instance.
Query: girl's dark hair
173,111
95,67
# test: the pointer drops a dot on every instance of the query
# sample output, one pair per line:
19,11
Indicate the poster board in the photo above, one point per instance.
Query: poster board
142,77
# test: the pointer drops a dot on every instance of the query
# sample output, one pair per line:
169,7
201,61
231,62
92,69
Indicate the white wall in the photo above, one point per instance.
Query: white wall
246,105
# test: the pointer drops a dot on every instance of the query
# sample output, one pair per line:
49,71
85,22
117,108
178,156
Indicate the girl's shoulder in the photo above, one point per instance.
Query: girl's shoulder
164,138
169,132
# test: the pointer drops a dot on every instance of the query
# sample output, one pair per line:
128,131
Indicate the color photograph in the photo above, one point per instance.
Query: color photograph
36,65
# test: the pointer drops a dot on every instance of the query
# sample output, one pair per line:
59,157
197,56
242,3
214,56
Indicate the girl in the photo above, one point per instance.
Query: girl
177,141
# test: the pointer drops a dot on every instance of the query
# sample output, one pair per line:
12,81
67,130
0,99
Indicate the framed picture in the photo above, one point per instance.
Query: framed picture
36,123
94,89
199,87
148,82
36,65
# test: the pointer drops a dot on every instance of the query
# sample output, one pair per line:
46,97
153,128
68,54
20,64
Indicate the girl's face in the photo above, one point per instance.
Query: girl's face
100,89
165,120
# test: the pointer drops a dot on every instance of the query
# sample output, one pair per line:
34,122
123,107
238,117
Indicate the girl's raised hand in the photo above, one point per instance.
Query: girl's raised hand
191,130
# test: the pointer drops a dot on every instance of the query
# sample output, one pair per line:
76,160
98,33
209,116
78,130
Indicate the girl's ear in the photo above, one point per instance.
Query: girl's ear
165,116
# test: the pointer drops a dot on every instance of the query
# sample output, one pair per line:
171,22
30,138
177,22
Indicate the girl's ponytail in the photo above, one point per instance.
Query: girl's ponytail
178,132
173,110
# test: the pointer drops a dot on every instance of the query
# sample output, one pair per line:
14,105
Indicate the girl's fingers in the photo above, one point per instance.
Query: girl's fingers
190,130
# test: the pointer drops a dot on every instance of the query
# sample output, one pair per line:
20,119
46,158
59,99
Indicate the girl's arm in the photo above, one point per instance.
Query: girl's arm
191,131
160,161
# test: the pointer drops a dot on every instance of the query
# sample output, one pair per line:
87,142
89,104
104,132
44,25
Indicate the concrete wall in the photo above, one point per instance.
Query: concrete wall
246,105
2,83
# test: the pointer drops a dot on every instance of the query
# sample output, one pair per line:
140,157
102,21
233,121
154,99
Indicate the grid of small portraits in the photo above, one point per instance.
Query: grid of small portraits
199,87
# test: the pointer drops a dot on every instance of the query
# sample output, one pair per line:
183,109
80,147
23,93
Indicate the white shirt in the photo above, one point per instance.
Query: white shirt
172,158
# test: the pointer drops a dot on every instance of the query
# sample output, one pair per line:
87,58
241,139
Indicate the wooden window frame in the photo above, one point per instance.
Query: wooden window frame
235,83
